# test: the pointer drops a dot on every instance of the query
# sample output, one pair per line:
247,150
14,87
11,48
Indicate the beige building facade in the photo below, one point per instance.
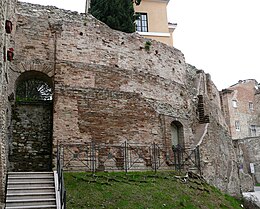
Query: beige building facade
153,21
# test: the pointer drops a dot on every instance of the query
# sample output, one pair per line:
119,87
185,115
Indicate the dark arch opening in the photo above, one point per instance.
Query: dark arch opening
177,139
32,121
177,135
34,86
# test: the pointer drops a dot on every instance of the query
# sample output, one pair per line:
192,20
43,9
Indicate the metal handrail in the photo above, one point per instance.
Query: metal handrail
6,184
61,187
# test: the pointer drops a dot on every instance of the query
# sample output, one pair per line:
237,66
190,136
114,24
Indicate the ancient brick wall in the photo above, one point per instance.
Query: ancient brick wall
121,83
103,90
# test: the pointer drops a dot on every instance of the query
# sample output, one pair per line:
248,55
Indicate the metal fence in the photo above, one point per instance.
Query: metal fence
126,157
61,185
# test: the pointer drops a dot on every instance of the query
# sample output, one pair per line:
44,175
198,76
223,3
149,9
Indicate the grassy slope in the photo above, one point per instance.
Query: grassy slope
142,190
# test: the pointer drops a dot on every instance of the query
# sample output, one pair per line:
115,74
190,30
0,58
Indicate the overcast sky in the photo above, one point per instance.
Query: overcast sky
221,37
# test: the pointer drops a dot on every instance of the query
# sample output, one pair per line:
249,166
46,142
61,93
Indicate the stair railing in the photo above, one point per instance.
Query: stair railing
6,184
61,186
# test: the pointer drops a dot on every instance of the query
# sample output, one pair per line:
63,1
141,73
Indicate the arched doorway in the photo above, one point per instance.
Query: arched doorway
31,141
177,136
177,139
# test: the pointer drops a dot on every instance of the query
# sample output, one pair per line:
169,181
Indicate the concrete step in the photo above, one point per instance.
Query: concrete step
27,190
31,202
26,173
30,189
30,174
32,207
39,184
38,195
29,179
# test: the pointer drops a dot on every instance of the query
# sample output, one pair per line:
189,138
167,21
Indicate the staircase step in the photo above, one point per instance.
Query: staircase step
29,183
32,207
31,202
30,189
26,173
29,179
27,190
30,174
15,196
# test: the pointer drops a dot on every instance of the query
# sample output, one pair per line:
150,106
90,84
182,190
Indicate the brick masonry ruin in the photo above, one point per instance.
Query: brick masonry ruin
109,89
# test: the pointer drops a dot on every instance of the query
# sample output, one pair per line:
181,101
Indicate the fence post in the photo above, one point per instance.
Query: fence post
179,157
155,156
198,158
175,157
125,156
93,157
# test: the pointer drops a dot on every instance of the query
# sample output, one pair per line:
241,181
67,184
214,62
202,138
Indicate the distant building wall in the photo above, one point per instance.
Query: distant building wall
240,109
240,105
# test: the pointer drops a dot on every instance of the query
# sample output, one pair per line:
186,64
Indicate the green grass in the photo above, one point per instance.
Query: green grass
142,190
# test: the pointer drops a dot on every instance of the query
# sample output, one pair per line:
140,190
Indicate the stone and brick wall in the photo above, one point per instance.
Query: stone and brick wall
248,152
31,145
7,10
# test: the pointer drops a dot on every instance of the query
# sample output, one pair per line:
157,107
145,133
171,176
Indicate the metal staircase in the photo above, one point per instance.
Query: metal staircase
30,190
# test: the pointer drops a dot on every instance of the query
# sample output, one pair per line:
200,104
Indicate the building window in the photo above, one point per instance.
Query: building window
141,22
237,125
251,106
234,103
253,130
